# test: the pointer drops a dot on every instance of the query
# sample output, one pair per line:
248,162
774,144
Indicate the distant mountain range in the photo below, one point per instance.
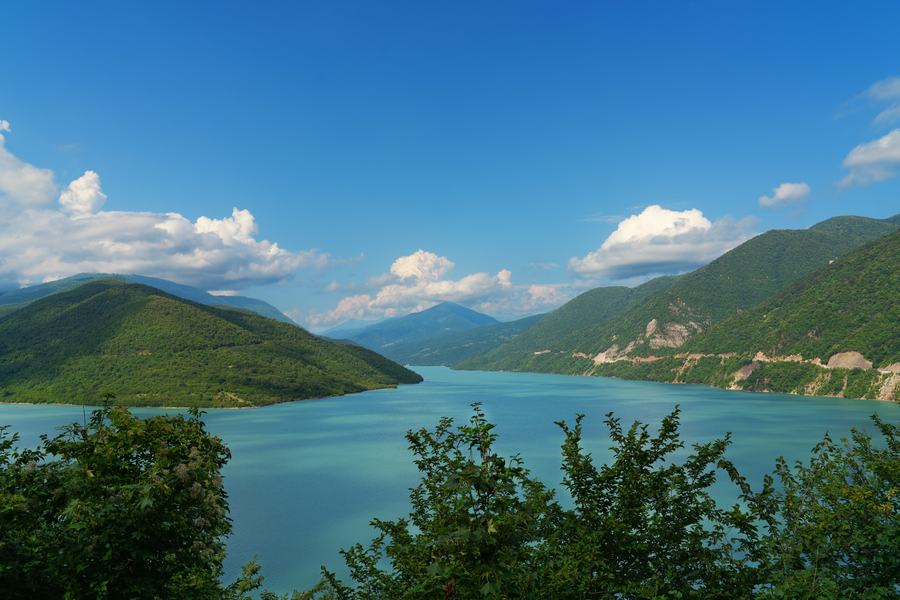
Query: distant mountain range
18,298
152,348
387,335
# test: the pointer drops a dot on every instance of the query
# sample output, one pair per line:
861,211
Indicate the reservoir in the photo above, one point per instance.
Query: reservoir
306,478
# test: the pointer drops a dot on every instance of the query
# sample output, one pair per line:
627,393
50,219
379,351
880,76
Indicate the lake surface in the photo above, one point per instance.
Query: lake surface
306,478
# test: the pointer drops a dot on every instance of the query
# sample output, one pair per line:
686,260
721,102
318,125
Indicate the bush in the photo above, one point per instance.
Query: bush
117,507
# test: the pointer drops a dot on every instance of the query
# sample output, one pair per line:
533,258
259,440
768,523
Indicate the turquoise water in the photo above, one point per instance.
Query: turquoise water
306,478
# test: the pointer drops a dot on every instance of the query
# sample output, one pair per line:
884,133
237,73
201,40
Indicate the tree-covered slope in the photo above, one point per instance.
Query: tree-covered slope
447,317
835,332
463,345
152,348
664,321
568,325
852,304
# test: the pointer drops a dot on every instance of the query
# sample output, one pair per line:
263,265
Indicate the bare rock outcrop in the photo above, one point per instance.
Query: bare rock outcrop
848,360
745,371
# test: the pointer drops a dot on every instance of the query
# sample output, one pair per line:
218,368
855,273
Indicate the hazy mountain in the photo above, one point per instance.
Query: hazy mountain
455,347
447,317
22,297
350,326
152,348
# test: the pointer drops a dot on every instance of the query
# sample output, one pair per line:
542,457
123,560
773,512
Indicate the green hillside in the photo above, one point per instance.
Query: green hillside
151,348
784,344
851,305
572,323
664,321
456,347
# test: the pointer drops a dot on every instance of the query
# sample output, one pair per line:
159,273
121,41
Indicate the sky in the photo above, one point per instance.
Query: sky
369,159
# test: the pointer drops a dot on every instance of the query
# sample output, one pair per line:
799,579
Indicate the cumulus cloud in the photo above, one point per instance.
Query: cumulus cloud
21,183
875,161
42,242
660,241
786,194
417,282
421,266
83,196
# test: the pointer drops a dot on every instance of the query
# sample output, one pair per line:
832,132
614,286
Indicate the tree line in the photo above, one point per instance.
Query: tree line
123,507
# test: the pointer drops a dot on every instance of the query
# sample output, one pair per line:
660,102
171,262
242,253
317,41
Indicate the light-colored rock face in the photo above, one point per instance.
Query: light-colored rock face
673,335
848,360
744,372
611,355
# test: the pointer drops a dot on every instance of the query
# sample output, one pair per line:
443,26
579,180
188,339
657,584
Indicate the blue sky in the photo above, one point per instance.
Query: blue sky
367,159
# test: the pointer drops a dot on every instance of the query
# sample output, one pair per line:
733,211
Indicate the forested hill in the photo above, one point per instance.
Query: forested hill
835,332
662,322
853,305
151,348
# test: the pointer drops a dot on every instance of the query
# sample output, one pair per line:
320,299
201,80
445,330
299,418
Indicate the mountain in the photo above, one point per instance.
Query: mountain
462,345
152,348
835,332
350,326
447,317
571,324
661,322
18,298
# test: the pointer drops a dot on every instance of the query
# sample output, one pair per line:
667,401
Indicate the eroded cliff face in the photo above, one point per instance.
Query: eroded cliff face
668,335
885,382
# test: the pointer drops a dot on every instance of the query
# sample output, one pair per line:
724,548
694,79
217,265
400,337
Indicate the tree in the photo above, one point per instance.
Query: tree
117,507
840,523
645,525
476,519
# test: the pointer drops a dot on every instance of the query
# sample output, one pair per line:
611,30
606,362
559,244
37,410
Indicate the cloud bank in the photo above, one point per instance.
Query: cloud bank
46,235
659,241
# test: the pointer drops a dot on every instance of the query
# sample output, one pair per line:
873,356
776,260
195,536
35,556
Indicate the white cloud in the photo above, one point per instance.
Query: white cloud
661,241
416,282
886,90
42,242
83,196
421,265
875,161
786,194
21,183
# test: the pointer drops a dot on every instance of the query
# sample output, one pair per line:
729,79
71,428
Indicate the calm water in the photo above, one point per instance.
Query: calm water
306,478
